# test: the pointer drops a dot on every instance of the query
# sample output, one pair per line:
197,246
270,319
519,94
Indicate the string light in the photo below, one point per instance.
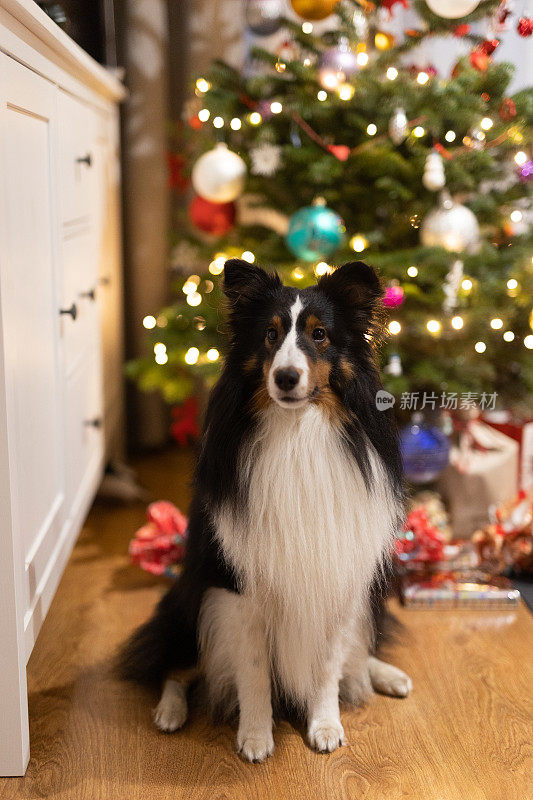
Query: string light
235,124
457,323
362,59
516,215
191,356
322,95
371,129
297,274
419,131
346,91
322,269
307,61
422,78
508,336
202,85
412,272
512,284
467,284
480,347
276,107
307,27
218,122
248,256
217,265
486,123
212,354
392,73
162,321
382,41
394,327
194,299
433,326
281,66
159,347
496,324
208,286
161,358
203,114
149,322
358,243
191,284
528,341
450,136
255,118
520,158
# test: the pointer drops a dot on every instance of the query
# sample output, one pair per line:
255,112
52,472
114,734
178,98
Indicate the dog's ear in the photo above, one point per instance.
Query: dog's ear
356,287
245,281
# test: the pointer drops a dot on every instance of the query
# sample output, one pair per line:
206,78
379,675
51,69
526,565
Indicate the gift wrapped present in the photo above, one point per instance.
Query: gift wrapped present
507,541
521,430
159,546
483,472
454,590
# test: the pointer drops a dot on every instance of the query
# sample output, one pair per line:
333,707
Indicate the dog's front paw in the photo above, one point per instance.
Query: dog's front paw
326,735
255,745
171,711
388,679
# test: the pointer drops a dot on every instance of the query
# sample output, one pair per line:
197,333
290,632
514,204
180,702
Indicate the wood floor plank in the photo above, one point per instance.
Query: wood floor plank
465,733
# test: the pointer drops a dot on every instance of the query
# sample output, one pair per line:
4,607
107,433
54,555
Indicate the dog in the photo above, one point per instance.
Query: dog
298,491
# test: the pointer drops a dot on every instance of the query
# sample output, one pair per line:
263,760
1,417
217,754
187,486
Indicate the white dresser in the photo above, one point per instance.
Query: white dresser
60,325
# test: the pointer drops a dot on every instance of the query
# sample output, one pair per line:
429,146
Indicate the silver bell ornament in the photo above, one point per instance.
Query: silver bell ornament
263,17
337,64
452,226
433,177
398,128
219,175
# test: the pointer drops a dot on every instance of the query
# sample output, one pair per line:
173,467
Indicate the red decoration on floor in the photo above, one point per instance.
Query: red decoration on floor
525,26
184,427
217,218
160,544
419,540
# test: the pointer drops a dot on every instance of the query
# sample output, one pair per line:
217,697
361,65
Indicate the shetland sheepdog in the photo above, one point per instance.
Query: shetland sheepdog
297,493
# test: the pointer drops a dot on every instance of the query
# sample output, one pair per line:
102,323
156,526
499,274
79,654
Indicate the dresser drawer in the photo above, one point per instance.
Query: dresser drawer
79,291
77,134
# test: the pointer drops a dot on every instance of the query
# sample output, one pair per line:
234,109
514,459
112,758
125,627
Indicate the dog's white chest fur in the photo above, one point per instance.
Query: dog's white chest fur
310,539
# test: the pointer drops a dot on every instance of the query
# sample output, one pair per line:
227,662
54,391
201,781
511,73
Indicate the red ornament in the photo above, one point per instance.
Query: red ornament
195,123
525,26
388,4
479,60
184,427
461,30
340,151
489,46
507,109
176,178
217,218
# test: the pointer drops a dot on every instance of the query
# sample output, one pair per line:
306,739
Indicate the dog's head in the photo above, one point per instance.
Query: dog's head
301,346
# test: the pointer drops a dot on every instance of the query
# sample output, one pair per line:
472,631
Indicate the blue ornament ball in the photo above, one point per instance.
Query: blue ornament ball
314,232
425,452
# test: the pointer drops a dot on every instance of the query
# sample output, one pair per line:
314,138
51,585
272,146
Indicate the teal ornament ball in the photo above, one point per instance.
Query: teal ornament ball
314,233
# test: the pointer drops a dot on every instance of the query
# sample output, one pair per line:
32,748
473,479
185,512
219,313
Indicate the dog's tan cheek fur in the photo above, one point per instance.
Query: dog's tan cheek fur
327,400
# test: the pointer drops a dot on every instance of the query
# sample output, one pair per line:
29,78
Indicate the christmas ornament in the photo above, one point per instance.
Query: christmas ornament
507,109
314,232
452,9
388,4
217,218
383,40
398,126
434,178
336,65
360,24
219,175
263,17
452,226
160,544
340,151
425,451
499,21
461,30
313,9
176,178
266,159
451,285
394,367
525,26
476,139
525,172
394,295
489,46
479,60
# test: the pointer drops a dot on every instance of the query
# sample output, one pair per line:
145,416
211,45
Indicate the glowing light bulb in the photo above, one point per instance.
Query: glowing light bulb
422,78
480,347
520,158
255,118
190,286
322,269
508,336
392,73
496,324
362,59
358,243
159,347
248,256
217,265
346,91
512,284
149,322
394,327
433,326
516,215
218,122
467,284
203,114
450,136
371,129
202,85
212,354
412,272
161,358
457,323
528,341
297,274
235,124
419,131
307,27
322,95
191,356
194,299
276,107
486,123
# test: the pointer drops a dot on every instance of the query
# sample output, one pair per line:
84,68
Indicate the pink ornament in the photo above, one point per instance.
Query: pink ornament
394,296
526,172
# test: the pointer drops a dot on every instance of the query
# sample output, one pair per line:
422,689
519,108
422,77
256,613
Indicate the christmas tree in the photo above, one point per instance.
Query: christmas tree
341,146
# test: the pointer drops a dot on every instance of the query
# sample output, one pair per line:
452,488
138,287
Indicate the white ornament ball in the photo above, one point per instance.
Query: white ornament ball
434,177
219,175
452,9
452,226
398,126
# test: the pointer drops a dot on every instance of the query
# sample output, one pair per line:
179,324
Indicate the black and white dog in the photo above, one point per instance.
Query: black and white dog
298,492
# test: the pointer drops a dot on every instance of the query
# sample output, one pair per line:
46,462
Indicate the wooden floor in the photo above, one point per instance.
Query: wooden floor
465,733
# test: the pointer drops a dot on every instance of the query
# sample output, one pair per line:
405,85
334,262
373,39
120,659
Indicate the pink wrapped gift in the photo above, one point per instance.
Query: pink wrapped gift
159,545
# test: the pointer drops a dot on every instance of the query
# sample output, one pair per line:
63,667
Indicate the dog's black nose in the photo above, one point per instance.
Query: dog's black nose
286,378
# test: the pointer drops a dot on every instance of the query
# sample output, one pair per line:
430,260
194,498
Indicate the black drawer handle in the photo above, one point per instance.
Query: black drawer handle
90,294
93,423
88,159
105,280
73,311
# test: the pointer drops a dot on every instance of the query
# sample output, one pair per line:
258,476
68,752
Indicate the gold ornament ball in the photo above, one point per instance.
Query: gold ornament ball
313,9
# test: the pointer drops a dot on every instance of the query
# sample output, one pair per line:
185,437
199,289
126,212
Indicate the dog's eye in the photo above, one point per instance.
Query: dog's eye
319,334
272,334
